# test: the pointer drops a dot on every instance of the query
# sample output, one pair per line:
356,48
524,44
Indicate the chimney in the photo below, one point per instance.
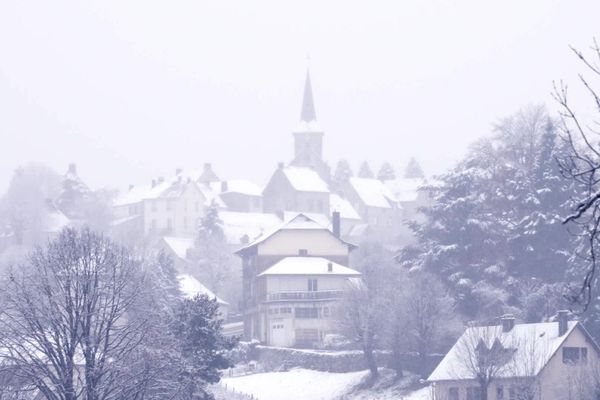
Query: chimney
329,267
207,166
563,322
508,322
178,171
153,182
130,186
224,186
161,179
280,165
73,168
335,222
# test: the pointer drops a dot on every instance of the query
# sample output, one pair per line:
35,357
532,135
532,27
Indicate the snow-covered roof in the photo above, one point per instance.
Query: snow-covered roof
179,245
405,189
305,127
168,188
529,347
308,266
343,206
320,219
373,192
190,287
305,179
301,222
236,225
237,186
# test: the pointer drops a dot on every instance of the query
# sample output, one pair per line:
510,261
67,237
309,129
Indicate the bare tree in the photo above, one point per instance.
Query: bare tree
583,166
65,325
482,355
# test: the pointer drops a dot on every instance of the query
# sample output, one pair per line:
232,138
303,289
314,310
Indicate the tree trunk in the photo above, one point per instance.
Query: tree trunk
371,362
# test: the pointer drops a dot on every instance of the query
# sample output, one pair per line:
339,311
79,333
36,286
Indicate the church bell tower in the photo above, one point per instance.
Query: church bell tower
308,136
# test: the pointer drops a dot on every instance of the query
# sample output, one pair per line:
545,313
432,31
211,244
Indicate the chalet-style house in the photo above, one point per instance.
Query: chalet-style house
293,278
540,361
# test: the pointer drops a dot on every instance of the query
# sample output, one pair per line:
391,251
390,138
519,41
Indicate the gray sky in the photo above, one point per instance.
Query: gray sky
130,90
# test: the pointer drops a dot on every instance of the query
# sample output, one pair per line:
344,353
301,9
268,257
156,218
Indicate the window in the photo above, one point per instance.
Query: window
453,393
185,223
169,224
574,355
168,205
285,310
302,252
153,225
153,205
273,311
320,205
325,311
312,285
306,312
256,202
311,205
473,393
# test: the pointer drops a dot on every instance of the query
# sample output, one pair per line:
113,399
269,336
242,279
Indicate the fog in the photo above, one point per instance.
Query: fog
130,90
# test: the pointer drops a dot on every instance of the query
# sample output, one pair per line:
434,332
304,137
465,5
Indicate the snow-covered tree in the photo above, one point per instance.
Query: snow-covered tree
26,205
413,169
493,229
341,175
211,255
365,171
386,172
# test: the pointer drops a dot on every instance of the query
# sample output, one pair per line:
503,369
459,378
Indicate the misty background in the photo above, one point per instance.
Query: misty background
131,90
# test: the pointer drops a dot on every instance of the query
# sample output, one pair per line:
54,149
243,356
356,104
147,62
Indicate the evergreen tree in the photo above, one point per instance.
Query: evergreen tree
211,254
493,231
202,346
341,176
413,170
386,172
365,171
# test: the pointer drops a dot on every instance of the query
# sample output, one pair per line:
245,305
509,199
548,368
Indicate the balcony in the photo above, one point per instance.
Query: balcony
305,296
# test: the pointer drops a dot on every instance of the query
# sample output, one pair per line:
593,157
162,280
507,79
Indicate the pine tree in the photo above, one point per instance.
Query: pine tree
365,171
386,172
341,176
413,170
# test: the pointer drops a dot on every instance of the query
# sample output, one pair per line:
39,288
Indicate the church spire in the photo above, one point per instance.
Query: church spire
308,113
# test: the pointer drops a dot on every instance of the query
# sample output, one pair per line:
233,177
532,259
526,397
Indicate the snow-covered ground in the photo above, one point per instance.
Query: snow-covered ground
302,384
297,384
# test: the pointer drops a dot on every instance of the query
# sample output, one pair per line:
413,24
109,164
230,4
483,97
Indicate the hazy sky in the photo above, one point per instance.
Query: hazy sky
131,90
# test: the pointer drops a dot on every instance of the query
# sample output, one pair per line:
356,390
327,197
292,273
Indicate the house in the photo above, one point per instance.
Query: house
410,196
374,202
549,361
293,278
239,195
164,207
297,189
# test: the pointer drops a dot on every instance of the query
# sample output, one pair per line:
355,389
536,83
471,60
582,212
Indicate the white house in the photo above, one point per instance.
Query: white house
293,277
164,207
549,361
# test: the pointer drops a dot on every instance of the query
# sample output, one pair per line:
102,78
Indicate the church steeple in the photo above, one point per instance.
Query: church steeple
308,114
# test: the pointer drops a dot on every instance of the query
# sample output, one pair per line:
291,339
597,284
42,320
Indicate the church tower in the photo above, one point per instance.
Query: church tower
308,136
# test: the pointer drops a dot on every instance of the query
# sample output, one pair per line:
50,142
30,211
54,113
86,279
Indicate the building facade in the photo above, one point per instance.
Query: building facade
293,278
